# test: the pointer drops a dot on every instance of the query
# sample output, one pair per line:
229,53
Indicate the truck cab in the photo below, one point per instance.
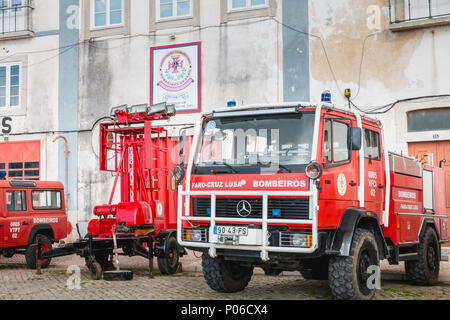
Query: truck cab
29,209
296,186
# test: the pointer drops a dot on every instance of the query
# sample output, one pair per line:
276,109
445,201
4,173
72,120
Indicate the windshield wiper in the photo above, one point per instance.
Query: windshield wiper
226,165
270,163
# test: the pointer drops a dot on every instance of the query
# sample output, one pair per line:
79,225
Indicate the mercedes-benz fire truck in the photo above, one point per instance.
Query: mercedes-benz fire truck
307,187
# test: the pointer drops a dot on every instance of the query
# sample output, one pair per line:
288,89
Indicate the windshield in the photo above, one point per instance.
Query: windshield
255,144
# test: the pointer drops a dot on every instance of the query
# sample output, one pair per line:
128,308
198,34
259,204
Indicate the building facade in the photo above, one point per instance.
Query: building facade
65,63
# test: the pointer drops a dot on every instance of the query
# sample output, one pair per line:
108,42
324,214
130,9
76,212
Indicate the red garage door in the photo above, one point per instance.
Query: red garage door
21,160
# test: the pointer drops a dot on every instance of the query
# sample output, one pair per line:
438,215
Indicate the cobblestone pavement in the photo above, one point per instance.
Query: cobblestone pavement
19,283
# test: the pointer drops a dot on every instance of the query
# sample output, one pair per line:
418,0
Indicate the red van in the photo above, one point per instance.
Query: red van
29,209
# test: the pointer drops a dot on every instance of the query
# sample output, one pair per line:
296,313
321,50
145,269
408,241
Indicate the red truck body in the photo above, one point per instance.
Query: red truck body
285,219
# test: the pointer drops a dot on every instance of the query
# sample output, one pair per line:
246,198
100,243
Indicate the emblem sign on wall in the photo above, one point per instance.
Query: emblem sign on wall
176,76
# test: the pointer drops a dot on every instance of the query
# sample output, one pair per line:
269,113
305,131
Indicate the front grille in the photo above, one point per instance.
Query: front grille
288,208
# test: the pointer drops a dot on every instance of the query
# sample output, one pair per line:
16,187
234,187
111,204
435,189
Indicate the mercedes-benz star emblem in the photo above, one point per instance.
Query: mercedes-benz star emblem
244,208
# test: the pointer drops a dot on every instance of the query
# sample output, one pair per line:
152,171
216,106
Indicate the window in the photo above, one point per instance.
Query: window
336,141
371,144
429,120
13,16
167,9
46,200
10,74
16,200
106,13
246,4
408,10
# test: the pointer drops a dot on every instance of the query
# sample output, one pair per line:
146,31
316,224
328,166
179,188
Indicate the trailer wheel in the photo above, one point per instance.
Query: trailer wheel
425,270
348,276
225,276
31,251
105,263
168,264
96,270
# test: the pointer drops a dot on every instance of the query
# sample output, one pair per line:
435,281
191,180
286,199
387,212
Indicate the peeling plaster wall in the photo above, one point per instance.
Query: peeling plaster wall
395,66
241,60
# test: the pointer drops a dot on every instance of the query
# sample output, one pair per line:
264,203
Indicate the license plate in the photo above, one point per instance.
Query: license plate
231,230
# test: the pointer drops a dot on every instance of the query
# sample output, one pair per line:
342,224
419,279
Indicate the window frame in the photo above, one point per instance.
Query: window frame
349,125
24,197
46,208
108,24
174,10
248,6
8,86
366,156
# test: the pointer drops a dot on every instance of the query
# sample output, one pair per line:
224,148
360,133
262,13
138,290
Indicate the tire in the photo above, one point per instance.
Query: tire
348,275
170,262
9,253
271,271
30,253
315,269
425,270
105,263
96,270
225,276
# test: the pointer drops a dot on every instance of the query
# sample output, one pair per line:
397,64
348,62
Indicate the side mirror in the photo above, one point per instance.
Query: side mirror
354,139
178,174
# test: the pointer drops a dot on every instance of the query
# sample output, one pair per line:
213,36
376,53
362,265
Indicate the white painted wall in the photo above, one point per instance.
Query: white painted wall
396,65
241,60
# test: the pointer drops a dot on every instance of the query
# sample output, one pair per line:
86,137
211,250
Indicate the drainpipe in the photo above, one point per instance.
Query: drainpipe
66,155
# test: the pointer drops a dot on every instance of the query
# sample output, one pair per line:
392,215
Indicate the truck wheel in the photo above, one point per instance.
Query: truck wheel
348,276
168,264
315,269
225,276
31,251
425,270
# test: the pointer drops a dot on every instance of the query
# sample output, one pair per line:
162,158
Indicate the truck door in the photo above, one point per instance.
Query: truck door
18,219
340,177
375,186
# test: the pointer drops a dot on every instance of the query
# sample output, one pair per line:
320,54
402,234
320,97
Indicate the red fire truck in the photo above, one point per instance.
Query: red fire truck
300,186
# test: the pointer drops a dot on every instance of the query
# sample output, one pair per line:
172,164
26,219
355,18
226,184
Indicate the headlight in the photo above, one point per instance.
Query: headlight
314,170
194,235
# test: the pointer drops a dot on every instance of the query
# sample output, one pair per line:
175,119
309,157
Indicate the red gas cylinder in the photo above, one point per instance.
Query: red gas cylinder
134,213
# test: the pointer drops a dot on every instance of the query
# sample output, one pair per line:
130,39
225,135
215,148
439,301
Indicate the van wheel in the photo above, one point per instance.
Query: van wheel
168,264
348,276
225,276
31,252
425,270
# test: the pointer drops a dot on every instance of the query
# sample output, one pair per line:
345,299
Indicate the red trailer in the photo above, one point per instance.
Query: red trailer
144,221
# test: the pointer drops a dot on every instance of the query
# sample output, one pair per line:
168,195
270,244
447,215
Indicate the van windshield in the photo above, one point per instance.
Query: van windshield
255,144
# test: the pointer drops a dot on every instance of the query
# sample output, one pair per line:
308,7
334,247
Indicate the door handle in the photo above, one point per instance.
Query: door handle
380,186
25,223
353,184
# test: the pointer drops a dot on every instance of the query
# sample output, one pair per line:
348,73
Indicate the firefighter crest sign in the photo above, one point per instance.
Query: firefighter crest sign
175,76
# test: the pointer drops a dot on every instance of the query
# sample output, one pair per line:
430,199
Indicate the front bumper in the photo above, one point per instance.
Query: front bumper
261,237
